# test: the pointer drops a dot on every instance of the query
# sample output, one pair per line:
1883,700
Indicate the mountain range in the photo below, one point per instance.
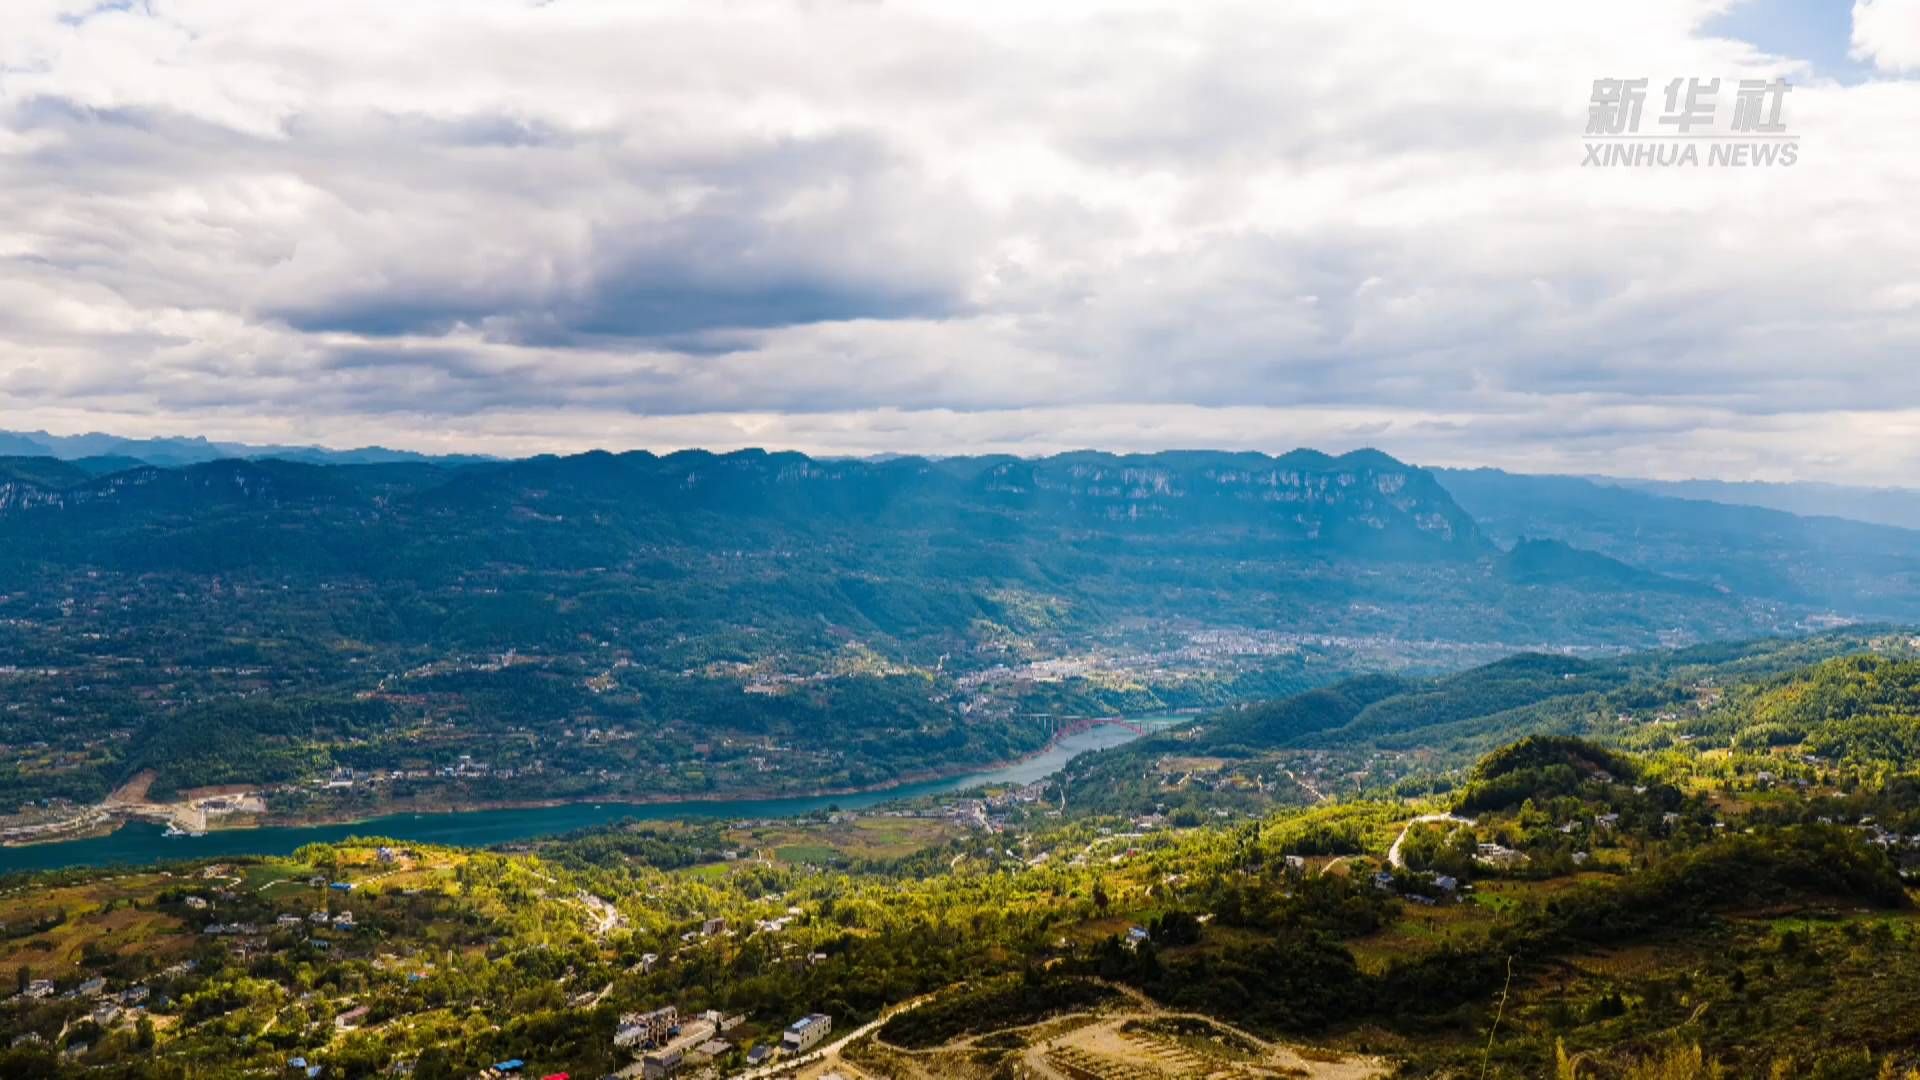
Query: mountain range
101,453
1192,533
1879,506
1843,568
886,612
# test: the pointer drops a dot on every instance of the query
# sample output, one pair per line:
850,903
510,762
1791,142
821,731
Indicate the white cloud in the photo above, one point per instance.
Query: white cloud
1887,33
849,227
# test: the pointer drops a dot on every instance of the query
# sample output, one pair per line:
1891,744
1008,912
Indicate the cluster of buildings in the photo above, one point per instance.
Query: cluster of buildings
82,820
1881,836
777,925
1447,886
109,1010
1497,855
665,1040
346,779
238,929
647,1029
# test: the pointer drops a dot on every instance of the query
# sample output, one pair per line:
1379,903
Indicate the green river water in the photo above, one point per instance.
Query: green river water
139,842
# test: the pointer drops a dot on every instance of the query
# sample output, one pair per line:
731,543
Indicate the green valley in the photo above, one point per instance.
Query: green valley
289,641
1647,866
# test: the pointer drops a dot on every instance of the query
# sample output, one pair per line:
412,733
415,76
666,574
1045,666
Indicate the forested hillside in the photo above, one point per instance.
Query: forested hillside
1660,897
1843,567
632,624
1846,699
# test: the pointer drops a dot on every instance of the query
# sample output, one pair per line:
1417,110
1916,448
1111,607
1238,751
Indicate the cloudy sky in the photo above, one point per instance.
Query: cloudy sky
858,227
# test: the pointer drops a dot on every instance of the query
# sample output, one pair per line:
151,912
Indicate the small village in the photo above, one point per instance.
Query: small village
255,919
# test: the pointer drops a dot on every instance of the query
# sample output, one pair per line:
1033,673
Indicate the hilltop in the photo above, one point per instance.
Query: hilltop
1529,724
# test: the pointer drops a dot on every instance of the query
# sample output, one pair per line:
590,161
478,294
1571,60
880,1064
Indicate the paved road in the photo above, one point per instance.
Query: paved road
832,1049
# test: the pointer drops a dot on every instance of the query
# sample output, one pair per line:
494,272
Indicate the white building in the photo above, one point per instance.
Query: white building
805,1033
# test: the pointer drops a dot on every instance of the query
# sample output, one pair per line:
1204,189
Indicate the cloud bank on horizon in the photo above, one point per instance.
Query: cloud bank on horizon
857,227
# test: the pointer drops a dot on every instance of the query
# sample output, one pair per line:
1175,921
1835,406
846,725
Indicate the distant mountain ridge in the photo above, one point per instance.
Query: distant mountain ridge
1854,569
1305,497
100,453
1557,532
910,547
174,451
1898,507
1361,496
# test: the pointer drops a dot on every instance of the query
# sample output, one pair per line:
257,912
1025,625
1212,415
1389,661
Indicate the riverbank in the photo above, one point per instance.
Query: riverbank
396,807
92,821
143,842
128,804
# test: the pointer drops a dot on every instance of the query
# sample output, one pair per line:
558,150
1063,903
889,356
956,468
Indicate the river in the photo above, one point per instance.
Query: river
139,842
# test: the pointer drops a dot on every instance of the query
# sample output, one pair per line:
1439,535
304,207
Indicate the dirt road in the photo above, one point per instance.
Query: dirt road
1393,853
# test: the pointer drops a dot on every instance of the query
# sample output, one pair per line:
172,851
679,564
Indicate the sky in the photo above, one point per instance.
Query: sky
861,227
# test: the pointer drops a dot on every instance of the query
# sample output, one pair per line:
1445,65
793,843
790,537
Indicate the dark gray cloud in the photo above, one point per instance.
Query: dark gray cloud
725,258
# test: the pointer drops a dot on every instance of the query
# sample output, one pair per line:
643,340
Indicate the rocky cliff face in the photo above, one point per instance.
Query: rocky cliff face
1365,501
1309,495
751,543
16,495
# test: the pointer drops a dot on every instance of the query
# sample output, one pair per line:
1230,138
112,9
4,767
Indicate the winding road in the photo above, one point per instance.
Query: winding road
1394,858
832,1049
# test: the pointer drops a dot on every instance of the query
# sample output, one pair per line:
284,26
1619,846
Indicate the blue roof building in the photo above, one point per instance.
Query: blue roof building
803,1033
